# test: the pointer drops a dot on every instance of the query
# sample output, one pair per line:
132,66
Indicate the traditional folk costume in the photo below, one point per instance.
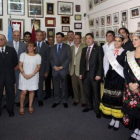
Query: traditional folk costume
114,83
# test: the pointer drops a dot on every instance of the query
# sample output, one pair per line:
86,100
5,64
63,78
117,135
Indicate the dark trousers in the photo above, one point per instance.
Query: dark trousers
9,87
92,92
58,95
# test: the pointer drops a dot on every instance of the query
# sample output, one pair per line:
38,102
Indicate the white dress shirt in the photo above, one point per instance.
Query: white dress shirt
16,45
76,50
72,43
3,49
106,47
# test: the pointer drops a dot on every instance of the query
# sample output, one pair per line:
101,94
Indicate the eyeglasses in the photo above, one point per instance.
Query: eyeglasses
2,39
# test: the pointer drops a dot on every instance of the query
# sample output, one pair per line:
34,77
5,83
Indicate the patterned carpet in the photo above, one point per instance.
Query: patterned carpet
58,124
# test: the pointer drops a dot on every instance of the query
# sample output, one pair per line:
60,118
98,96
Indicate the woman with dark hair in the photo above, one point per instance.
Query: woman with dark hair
29,65
111,103
131,98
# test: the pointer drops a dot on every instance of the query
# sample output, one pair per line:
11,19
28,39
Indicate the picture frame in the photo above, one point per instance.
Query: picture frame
36,23
1,7
49,8
50,22
1,24
78,17
102,21
116,18
135,12
65,8
18,24
78,33
50,32
65,19
97,33
96,42
115,29
101,43
91,23
108,20
124,15
101,1
78,8
97,22
65,28
15,7
77,25
92,31
96,2
90,4
35,8
102,32
108,29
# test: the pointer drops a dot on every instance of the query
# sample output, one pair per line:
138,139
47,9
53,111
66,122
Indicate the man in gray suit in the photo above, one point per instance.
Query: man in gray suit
20,48
60,57
43,50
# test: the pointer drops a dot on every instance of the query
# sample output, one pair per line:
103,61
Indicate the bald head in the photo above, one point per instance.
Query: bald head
2,40
16,36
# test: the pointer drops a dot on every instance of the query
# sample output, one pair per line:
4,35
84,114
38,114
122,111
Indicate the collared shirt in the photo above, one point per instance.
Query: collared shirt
107,47
76,50
39,44
3,49
16,45
60,46
72,43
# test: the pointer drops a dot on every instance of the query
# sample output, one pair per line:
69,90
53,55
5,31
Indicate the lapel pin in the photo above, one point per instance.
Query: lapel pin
6,52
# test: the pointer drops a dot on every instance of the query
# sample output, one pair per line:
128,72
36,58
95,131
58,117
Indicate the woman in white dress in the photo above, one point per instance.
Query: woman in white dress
29,65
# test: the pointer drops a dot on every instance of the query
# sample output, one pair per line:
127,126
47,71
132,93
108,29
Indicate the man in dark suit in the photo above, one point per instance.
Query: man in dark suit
20,48
60,57
43,50
8,62
91,70
27,37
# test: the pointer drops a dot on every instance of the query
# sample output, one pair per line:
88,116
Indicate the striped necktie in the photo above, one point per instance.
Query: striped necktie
87,58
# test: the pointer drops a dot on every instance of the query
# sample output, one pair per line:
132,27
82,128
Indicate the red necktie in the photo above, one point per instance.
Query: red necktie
116,52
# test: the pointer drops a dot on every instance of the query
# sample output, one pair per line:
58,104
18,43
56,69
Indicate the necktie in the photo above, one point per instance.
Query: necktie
38,47
116,52
16,47
87,58
59,50
2,53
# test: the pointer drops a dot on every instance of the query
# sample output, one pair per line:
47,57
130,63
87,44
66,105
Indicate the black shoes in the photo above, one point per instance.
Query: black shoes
65,105
55,105
86,110
11,114
131,138
75,103
40,103
17,104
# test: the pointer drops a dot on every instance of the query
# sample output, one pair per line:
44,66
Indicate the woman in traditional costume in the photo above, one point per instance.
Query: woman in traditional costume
111,104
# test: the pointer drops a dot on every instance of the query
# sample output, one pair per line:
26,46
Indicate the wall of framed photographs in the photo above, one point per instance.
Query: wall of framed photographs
104,15
51,15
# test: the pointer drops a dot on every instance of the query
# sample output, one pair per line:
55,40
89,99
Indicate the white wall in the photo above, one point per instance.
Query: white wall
58,22
113,6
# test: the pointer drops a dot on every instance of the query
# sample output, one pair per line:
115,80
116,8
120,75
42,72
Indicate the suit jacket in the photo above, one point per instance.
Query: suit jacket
44,53
63,60
95,62
78,58
8,64
22,47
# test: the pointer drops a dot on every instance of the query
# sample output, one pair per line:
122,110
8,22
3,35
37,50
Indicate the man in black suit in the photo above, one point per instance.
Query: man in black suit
91,70
8,63
43,50
60,57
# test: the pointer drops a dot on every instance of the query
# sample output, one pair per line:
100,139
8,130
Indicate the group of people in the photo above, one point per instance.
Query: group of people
77,70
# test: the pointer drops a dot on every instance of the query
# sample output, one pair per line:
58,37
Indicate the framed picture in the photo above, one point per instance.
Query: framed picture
108,29
77,8
97,22
124,15
35,8
116,18
1,24
1,7
36,23
135,12
92,31
15,7
65,8
90,4
65,19
50,22
102,21
50,8
96,42
18,24
115,29
77,25
97,33
108,20
101,43
50,32
91,23
78,17
96,2
102,32
78,33
65,28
